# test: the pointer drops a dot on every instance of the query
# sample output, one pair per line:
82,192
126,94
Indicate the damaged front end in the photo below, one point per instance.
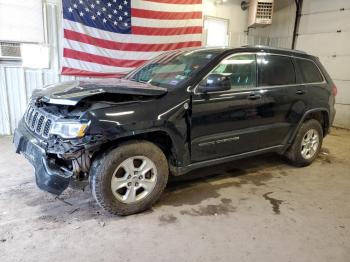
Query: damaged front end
59,150
55,133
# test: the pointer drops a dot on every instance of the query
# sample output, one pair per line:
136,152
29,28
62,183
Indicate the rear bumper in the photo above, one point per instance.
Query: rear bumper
48,175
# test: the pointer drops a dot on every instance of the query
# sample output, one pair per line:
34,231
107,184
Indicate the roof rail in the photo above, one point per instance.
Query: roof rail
275,48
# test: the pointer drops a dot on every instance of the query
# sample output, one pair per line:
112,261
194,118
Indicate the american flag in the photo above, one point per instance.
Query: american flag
108,38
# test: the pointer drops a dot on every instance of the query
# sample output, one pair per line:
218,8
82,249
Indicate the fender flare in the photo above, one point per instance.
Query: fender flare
306,114
180,153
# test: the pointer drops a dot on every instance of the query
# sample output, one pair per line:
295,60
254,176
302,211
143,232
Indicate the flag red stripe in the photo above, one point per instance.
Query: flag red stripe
75,36
79,72
135,12
141,30
180,2
69,53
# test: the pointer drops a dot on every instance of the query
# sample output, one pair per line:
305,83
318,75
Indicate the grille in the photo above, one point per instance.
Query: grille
37,121
264,10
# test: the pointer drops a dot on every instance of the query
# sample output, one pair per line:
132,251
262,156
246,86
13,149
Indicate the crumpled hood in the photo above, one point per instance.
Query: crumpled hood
70,93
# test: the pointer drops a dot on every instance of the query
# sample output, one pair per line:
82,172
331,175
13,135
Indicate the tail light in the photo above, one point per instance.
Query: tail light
334,90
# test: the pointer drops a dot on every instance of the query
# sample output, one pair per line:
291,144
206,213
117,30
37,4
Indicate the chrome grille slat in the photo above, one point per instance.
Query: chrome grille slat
47,128
30,115
38,121
35,117
39,125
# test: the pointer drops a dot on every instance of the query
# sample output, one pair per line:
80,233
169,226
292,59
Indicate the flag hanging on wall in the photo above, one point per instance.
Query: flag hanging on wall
109,38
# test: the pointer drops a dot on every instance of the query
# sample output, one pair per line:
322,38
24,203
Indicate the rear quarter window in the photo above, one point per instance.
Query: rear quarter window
309,71
275,70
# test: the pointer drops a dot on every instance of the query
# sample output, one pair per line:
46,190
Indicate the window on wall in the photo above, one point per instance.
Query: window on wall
21,21
240,69
275,70
216,31
22,38
309,71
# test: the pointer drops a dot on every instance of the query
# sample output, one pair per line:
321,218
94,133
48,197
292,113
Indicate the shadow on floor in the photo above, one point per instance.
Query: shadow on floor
190,189
204,183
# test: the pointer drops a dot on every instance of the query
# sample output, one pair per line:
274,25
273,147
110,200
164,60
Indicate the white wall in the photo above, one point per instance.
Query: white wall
280,32
324,31
17,83
319,23
238,19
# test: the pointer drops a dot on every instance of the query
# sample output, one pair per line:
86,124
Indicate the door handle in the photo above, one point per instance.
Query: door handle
254,96
300,92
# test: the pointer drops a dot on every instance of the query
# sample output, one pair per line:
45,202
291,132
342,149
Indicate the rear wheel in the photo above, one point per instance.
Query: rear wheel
130,178
307,144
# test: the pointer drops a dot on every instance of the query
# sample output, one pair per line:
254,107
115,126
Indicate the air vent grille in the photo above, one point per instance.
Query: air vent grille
260,12
10,50
264,10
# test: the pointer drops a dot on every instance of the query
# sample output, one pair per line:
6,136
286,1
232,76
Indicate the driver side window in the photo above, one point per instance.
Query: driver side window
239,69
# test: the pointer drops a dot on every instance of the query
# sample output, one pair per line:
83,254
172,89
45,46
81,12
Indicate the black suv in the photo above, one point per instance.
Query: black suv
183,110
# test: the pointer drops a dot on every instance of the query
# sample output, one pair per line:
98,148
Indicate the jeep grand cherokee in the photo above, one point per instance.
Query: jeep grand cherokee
183,110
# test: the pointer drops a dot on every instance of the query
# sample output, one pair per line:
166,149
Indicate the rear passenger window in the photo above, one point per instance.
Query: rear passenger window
309,71
240,69
275,70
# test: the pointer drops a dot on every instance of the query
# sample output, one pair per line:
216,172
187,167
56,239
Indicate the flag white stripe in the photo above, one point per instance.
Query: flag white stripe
146,22
165,7
91,49
126,38
88,66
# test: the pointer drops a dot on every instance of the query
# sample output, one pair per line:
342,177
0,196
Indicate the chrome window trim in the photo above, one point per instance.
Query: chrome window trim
228,57
259,87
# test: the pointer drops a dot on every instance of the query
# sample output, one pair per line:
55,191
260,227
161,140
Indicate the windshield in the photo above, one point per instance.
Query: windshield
173,68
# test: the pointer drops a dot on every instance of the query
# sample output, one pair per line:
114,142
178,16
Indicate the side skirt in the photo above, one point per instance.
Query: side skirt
178,171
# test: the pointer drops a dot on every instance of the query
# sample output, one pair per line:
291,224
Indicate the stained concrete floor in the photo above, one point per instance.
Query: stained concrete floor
257,209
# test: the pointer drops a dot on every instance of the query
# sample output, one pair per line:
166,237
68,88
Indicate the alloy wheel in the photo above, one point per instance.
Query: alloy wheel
309,144
134,179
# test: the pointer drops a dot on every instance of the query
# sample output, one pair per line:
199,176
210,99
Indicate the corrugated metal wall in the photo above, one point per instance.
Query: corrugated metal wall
15,89
17,83
280,33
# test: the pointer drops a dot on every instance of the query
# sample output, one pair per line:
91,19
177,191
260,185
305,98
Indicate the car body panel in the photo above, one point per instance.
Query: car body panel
204,129
70,93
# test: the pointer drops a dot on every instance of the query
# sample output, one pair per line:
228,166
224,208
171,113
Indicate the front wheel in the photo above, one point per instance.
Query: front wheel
307,144
130,178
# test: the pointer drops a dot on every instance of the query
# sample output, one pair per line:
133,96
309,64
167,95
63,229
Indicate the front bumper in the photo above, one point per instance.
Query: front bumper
49,176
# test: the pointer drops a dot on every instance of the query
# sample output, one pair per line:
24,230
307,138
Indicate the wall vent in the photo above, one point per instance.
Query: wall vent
260,13
10,51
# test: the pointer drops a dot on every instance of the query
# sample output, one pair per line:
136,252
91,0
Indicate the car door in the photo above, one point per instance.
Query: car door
278,81
224,123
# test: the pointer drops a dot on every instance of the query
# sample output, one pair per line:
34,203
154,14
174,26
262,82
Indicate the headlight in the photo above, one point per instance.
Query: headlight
69,129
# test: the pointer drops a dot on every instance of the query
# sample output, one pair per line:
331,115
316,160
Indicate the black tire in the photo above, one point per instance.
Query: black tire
294,153
104,166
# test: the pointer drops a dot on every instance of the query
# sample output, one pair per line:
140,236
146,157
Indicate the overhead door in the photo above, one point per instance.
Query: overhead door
324,31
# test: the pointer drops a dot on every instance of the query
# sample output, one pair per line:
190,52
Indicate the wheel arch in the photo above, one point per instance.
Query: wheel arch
319,114
163,139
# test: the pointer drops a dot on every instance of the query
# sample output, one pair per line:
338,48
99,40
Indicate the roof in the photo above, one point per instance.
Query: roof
258,48
263,47
246,48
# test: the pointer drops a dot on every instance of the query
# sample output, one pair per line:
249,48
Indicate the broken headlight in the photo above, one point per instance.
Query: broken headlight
69,129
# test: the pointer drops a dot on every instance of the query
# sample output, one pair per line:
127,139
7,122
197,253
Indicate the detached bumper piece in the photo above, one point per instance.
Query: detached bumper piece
49,176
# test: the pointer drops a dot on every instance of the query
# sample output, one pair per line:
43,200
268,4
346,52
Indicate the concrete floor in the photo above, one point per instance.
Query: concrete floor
258,209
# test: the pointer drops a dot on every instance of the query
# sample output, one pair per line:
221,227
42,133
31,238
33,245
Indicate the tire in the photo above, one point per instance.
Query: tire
111,169
297,153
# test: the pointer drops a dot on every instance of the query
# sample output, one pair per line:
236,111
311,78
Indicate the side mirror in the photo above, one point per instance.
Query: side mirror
214,83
